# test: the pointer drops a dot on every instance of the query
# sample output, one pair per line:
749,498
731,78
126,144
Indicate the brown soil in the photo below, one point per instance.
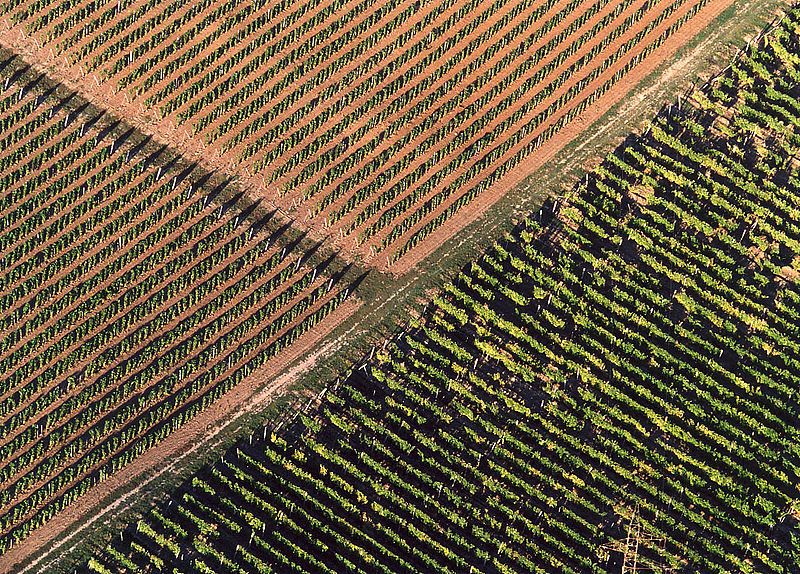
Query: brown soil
563,137
296,347
789,273
137,86
551,78
255,392
344,223
610,49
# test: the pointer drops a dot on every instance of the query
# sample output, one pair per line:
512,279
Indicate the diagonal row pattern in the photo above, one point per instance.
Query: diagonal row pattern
376,122
629,356
133,295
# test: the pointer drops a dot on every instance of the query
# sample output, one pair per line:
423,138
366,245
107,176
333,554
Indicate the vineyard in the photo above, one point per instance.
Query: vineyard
135,291
373,124
625,361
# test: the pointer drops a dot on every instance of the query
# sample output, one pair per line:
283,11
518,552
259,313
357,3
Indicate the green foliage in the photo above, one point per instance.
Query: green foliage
620,355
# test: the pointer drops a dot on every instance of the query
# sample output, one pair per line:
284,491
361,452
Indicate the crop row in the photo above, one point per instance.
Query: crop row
434,212
134,292
628,357
383,121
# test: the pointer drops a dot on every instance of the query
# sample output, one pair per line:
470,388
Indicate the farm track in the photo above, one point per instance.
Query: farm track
281,311
334,184
564,382
533,162
117,103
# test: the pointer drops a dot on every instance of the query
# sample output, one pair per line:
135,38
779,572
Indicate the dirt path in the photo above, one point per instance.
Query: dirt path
221,310
254,393
573,129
